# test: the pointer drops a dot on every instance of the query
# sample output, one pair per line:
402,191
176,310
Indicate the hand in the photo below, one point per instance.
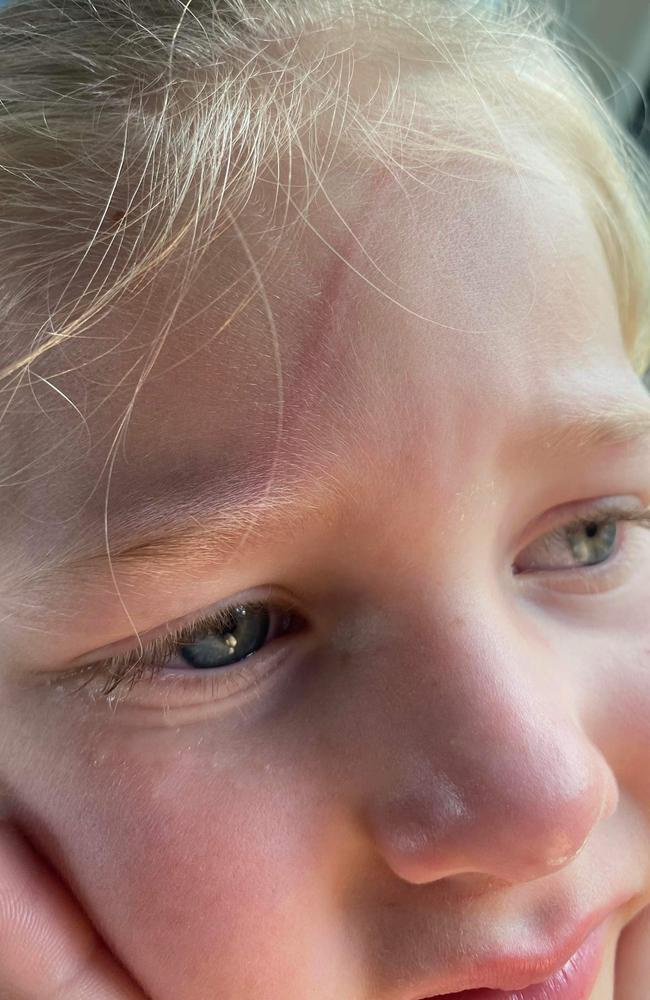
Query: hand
48,948
633,959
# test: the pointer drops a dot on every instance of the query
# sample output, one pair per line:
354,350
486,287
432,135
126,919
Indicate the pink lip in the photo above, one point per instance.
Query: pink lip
573,981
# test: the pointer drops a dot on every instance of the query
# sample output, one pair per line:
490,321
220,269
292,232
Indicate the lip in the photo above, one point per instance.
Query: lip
569,973
572,981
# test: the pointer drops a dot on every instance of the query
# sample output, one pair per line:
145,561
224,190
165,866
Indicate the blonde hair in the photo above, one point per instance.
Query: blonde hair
134,133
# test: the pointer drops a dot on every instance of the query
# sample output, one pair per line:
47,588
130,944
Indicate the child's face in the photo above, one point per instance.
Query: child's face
448,757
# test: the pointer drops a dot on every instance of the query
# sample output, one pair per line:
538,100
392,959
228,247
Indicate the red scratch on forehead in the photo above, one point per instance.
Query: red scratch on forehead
338,255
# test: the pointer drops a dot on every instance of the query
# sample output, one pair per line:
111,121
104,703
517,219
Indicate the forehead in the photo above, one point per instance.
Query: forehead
390,312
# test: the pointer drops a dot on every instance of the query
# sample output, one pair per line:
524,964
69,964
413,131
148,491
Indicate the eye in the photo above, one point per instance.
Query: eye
242,631
580,543
223,651
576,545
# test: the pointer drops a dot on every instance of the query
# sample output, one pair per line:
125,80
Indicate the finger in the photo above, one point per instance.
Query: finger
632,975
48,948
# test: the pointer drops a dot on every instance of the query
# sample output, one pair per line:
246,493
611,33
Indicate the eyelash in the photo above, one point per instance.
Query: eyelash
129,668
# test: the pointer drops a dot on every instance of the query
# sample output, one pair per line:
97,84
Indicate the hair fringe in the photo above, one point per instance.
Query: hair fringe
134,132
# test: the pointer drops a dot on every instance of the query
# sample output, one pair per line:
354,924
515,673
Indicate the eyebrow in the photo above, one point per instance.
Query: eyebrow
616,423
190,531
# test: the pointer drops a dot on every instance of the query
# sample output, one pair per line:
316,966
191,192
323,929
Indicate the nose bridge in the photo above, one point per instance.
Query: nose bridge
486,768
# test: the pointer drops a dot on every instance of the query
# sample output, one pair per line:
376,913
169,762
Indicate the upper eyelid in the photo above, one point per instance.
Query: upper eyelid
596,516
167,638
190,620
197,622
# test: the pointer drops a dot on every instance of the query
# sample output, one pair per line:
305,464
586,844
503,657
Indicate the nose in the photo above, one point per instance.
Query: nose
483,766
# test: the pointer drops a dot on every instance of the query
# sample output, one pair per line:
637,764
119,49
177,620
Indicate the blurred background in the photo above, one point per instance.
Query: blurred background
612,40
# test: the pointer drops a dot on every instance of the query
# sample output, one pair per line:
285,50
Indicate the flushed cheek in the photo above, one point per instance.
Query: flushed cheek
609,685
610,689
225,878
204,879
628,727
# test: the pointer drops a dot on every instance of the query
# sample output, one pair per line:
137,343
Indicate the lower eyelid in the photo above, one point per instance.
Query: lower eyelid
200,689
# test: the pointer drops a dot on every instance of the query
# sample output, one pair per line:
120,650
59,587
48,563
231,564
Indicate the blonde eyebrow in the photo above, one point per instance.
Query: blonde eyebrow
166,529
620,424
192,531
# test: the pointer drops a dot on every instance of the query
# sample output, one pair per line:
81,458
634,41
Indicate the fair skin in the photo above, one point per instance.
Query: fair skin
450,758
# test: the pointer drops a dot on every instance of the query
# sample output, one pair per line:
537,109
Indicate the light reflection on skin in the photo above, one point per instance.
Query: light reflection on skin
409,781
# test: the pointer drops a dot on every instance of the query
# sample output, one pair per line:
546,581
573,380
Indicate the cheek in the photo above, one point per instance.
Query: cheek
629,720
605,652
618,686
211,866
193,866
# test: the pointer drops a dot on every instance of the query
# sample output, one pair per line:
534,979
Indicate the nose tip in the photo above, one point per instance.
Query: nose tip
515,831
608,805
566,850
553,820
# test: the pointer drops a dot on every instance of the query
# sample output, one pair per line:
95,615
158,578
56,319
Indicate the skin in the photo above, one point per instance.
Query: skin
451,760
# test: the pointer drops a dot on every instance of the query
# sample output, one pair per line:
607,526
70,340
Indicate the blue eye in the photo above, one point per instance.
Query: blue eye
243,632
571,547
221,647
580,543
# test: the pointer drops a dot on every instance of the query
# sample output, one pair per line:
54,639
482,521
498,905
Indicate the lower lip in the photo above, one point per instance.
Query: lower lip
574,981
